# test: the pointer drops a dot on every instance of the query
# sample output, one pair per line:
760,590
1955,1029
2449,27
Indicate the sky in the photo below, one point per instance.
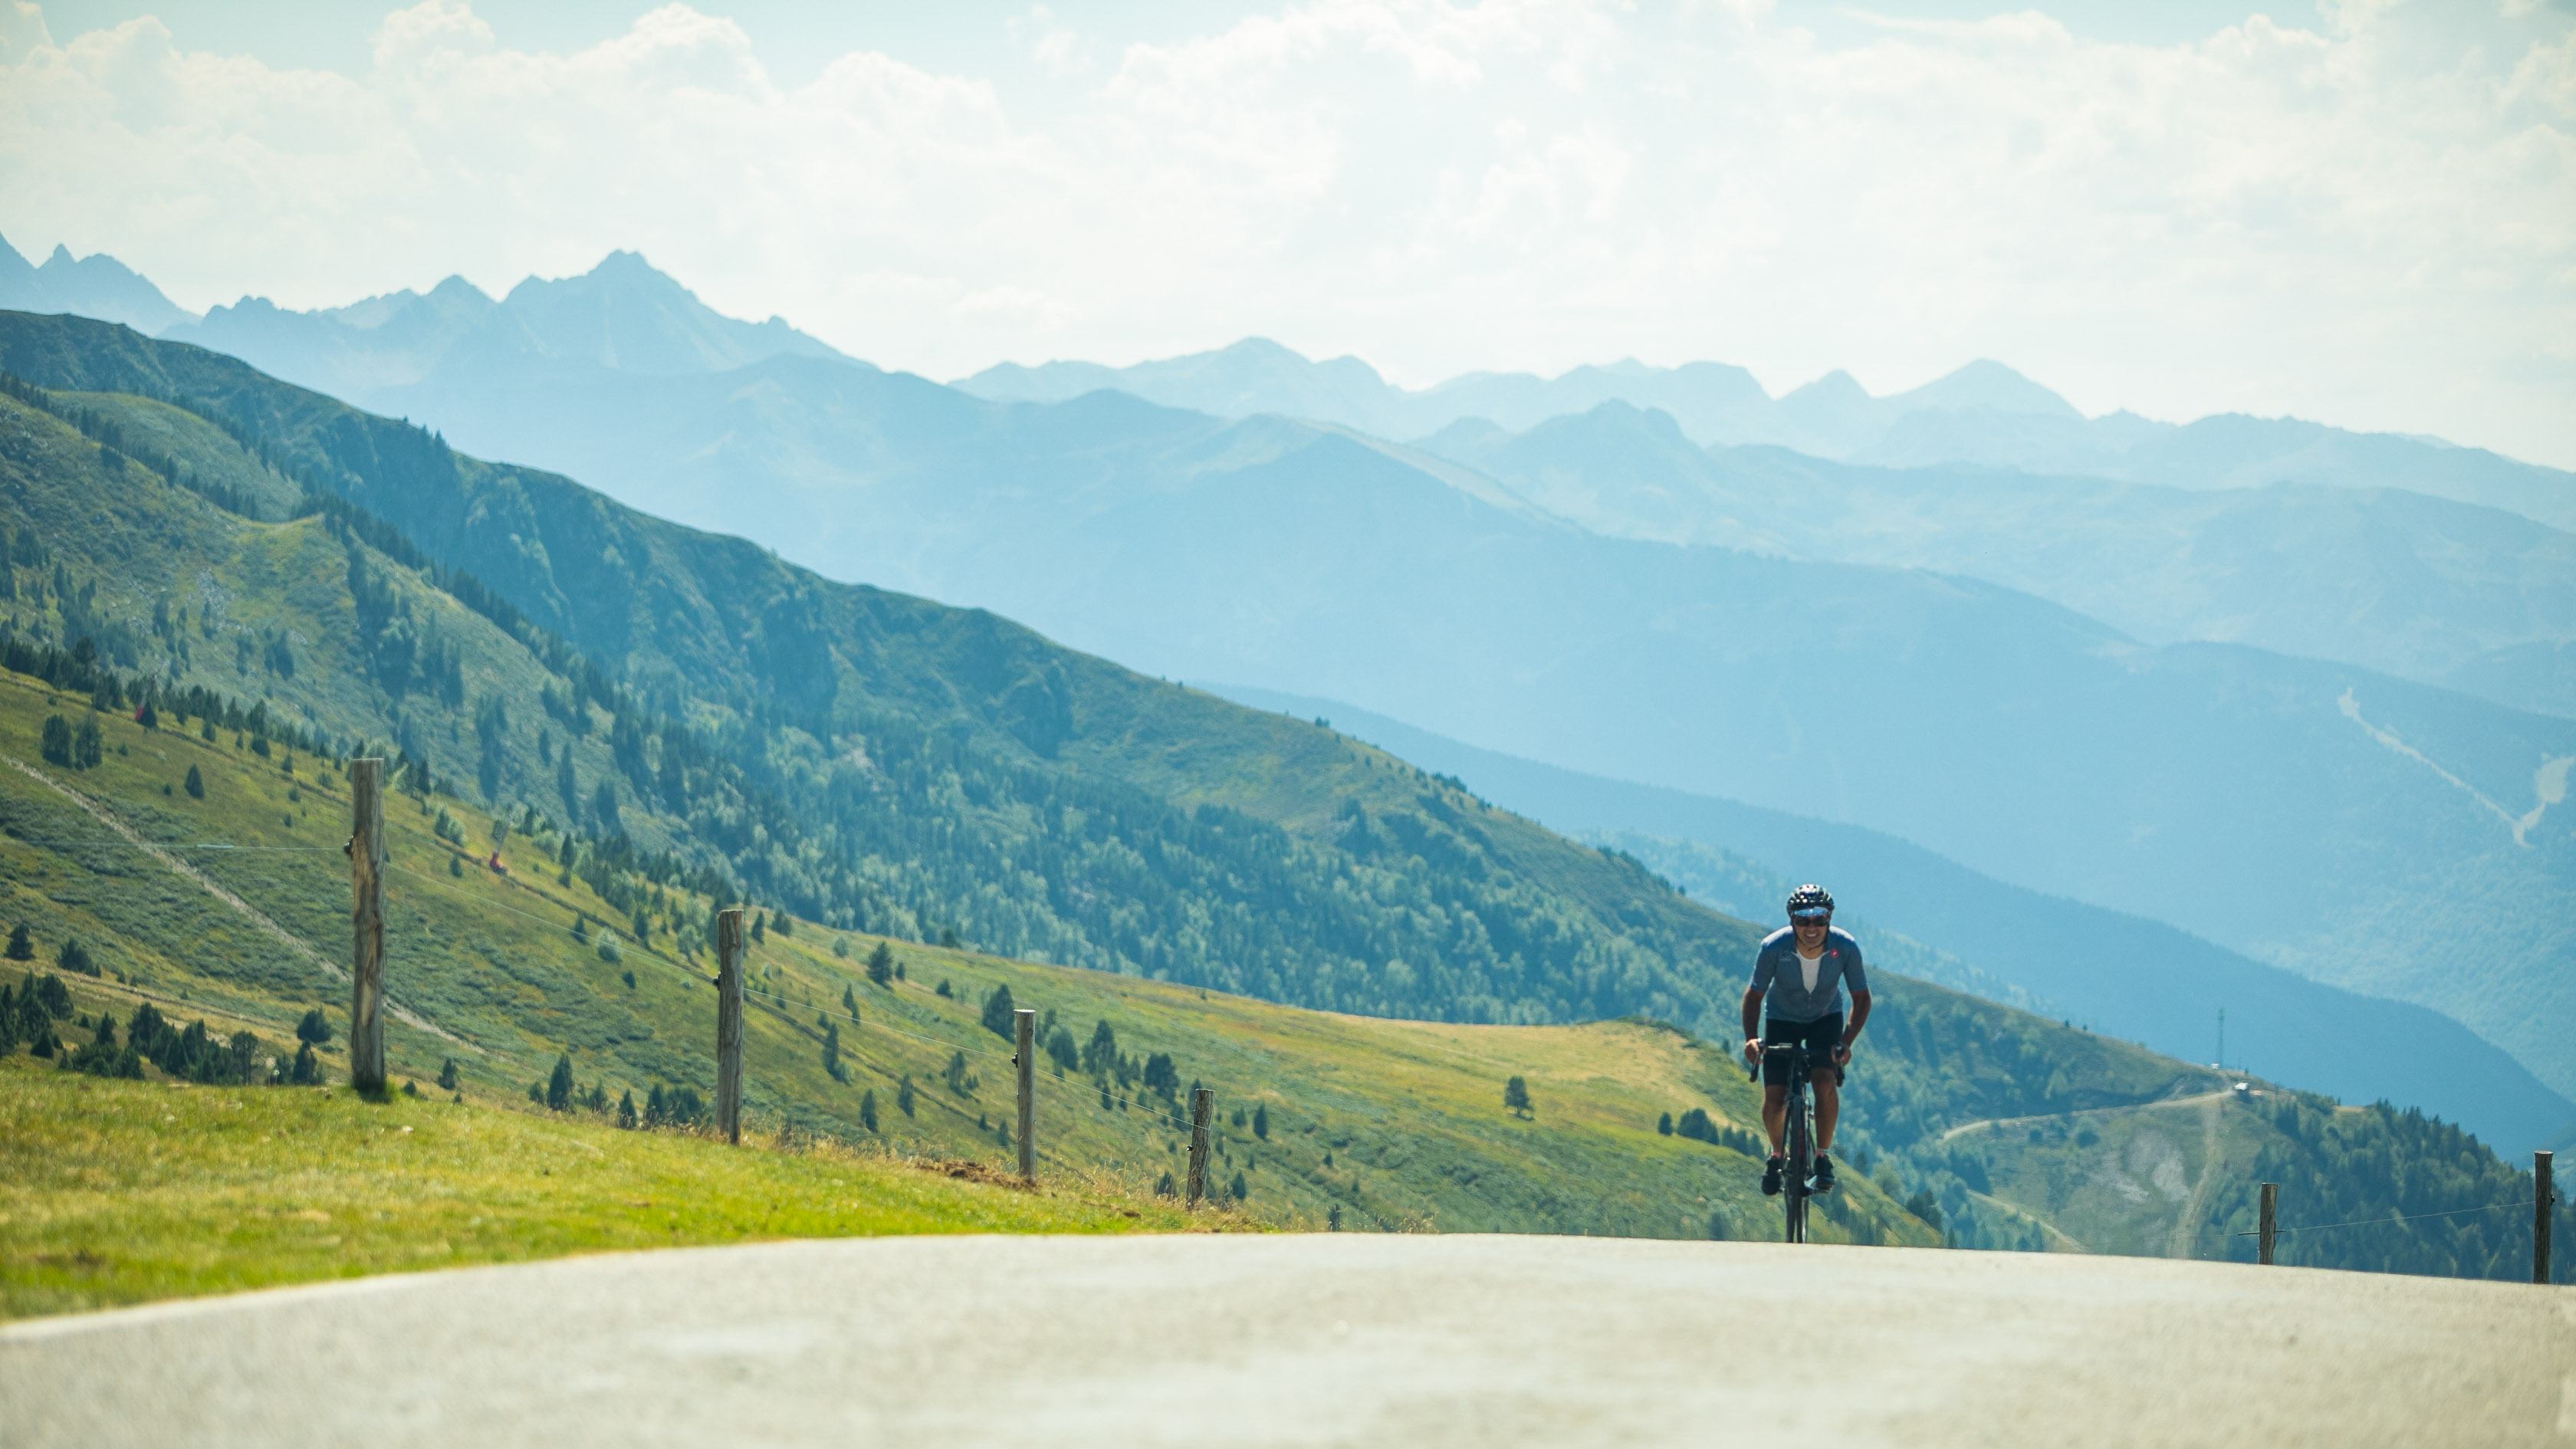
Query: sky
2361,212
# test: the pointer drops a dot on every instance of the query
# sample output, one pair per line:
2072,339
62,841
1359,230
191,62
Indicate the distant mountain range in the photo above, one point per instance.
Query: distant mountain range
621,318
1984,413
2416,585
94,286
2319,816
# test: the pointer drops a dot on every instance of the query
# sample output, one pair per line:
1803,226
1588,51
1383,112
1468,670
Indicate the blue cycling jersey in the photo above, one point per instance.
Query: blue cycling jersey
1779,974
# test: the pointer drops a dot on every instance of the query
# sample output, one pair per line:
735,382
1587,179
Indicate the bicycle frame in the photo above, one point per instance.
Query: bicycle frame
1797,1146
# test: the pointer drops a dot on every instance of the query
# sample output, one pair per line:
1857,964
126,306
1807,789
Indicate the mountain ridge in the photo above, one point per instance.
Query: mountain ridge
97,285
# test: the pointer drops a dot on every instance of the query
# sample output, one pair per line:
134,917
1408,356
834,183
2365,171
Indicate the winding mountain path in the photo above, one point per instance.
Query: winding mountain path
1964,1128
1482,1342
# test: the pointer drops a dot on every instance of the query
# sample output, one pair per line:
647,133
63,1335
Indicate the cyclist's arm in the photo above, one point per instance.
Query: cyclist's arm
1752,1015
1859,1016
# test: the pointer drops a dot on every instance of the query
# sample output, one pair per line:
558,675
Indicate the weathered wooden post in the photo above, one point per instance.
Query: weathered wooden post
367,917
729,1023
2263,1225
1024,1034
2542,1200
1202,1108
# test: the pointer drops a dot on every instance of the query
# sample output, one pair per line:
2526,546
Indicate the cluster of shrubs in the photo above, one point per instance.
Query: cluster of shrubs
30,1011
675,1107
1696,1125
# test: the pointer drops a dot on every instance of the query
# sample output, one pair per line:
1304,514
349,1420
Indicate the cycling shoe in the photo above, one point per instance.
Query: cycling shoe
1824,1178
1771,1176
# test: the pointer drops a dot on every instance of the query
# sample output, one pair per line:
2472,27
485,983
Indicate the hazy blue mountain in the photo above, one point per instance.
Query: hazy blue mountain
94,286
1984,414
2315,815
2228,451
1253,376
2120,974
2399,581
620,317
1715,402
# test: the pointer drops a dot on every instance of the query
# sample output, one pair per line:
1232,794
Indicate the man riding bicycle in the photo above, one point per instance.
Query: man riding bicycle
1802,970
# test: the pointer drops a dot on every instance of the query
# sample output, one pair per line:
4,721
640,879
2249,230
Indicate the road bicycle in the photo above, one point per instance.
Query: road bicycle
1798,1151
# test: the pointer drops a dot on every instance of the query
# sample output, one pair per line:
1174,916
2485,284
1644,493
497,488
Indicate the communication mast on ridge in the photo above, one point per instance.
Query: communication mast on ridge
2221,1063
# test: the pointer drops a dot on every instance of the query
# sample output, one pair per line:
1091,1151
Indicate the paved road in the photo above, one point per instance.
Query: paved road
1062,1343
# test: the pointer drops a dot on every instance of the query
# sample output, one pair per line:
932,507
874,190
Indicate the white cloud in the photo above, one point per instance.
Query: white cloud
2371,220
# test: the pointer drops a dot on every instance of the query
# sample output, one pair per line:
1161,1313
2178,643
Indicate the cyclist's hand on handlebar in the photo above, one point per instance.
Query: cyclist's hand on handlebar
1753,1051
1842,1055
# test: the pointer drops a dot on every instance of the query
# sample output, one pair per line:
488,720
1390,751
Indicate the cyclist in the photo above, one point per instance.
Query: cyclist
1802,970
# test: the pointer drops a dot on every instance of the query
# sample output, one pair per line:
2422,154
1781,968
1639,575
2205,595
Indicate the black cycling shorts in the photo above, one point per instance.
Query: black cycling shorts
1820,1037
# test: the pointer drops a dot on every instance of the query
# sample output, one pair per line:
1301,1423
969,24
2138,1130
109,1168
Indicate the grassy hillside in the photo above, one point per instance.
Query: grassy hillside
492,975
866,770
126,1191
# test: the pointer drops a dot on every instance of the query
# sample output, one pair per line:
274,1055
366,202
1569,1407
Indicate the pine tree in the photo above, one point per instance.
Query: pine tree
1238,1188
656,1109
850,1002
56,745
868,1109
447,1075
1261,1121
998,1009
196,786
903,1096
22,946
75,957
87,747
881,965
832,1052
314,1029
308,1068
1516,1097
559,1085
1664,1125
626,1109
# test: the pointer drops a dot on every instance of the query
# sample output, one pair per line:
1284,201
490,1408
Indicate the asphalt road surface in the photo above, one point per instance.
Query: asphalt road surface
1060,1343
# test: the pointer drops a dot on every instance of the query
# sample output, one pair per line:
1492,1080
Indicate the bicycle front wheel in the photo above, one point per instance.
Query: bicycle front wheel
1798,1162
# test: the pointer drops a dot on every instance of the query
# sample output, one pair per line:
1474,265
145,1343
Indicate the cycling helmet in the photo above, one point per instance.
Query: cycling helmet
1811,898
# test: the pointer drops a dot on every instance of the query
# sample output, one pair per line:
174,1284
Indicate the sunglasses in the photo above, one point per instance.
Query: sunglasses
1811,918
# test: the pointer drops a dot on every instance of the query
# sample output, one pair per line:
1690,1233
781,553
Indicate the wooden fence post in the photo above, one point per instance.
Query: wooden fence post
1202,1107
2543,1199
729,1023
2263,1226
367,916
1024,1031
